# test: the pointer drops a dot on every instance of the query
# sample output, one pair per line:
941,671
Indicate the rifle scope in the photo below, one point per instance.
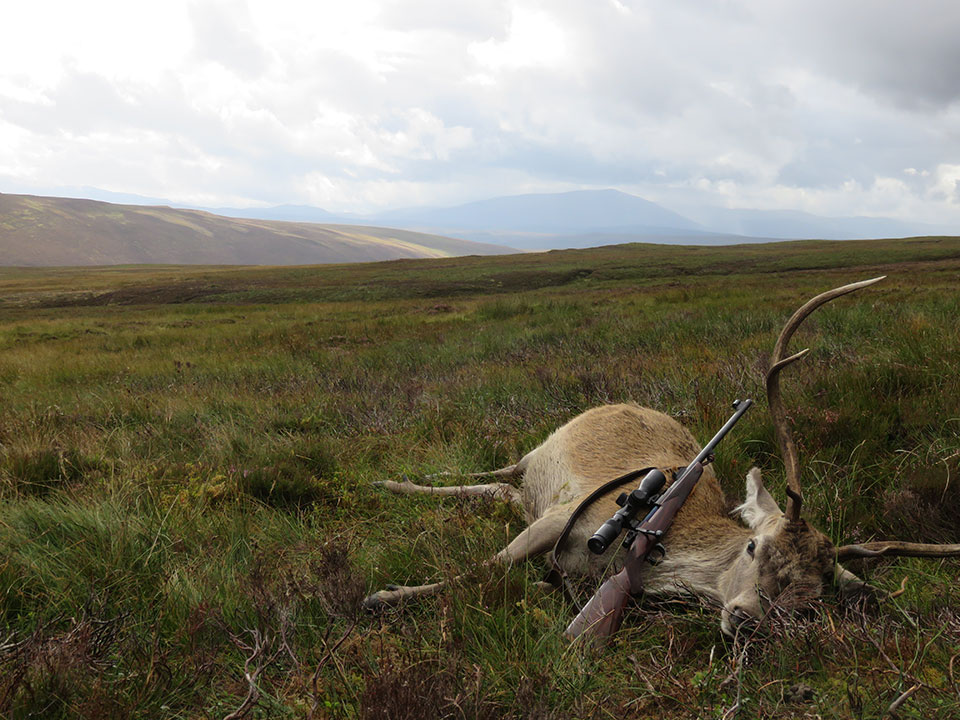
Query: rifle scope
630,505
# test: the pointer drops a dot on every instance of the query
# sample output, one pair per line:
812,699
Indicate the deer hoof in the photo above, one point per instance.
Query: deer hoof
373,602
383,598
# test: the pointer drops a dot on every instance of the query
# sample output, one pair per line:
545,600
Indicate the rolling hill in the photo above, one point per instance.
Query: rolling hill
48,231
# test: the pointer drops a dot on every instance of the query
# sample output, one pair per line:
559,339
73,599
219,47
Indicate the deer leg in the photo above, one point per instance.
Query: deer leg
508,471
498,491
537,539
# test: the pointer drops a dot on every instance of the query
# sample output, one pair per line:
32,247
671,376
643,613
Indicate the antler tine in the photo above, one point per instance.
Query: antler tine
787,447
777,367
895,548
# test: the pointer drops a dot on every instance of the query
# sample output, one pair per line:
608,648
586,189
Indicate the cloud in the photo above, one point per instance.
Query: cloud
224,33
946,183
534,39
905,53
815,105
474,20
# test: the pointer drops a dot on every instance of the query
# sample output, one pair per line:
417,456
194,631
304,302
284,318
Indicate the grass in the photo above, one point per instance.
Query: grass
187,458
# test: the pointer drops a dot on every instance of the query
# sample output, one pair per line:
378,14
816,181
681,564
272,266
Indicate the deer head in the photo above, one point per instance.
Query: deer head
787,561
782,562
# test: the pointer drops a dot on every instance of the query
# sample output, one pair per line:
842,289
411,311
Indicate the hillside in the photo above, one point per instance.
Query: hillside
46,231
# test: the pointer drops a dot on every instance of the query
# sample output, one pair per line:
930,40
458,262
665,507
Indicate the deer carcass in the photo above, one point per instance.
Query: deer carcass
744,568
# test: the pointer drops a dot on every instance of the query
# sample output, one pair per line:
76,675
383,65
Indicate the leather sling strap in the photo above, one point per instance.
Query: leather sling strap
557,576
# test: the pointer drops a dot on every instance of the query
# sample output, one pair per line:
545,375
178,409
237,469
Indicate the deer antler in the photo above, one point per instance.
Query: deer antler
787,447
895,548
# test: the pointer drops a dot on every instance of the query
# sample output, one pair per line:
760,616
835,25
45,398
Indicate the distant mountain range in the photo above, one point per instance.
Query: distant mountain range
588,218
59,231
62,231
567,213
797,225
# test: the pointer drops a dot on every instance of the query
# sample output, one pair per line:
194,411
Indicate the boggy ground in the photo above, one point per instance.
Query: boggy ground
187,458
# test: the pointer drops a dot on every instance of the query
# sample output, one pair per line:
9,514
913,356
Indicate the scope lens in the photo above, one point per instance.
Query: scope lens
596,545
607,533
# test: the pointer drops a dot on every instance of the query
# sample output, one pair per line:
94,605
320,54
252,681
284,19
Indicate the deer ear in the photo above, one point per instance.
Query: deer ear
759,505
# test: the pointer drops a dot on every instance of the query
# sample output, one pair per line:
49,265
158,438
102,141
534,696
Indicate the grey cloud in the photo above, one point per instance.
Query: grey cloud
902,52
669,71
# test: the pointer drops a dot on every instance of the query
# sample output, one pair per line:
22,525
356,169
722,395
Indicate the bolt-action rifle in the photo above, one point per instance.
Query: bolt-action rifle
601,617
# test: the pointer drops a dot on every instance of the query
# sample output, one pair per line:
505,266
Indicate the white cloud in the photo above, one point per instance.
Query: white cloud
620,7
374,103
534,39
946,183
113,38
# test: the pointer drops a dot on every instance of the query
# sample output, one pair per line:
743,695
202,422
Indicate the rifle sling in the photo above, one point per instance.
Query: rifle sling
557,576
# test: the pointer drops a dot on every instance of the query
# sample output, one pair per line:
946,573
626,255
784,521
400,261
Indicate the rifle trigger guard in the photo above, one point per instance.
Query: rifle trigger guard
656,554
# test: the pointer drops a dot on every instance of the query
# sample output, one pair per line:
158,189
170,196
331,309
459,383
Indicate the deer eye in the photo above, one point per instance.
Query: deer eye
751,547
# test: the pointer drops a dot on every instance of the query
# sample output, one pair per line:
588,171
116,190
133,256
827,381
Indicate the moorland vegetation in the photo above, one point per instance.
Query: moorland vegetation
188,519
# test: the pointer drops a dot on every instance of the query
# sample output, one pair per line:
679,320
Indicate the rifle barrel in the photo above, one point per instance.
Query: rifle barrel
742,406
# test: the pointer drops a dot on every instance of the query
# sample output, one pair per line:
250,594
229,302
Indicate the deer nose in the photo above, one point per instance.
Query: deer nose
739,616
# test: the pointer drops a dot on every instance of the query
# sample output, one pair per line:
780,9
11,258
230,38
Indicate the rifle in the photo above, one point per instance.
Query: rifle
601,617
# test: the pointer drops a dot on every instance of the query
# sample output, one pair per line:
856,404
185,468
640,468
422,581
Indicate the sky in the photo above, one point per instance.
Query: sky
835,108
